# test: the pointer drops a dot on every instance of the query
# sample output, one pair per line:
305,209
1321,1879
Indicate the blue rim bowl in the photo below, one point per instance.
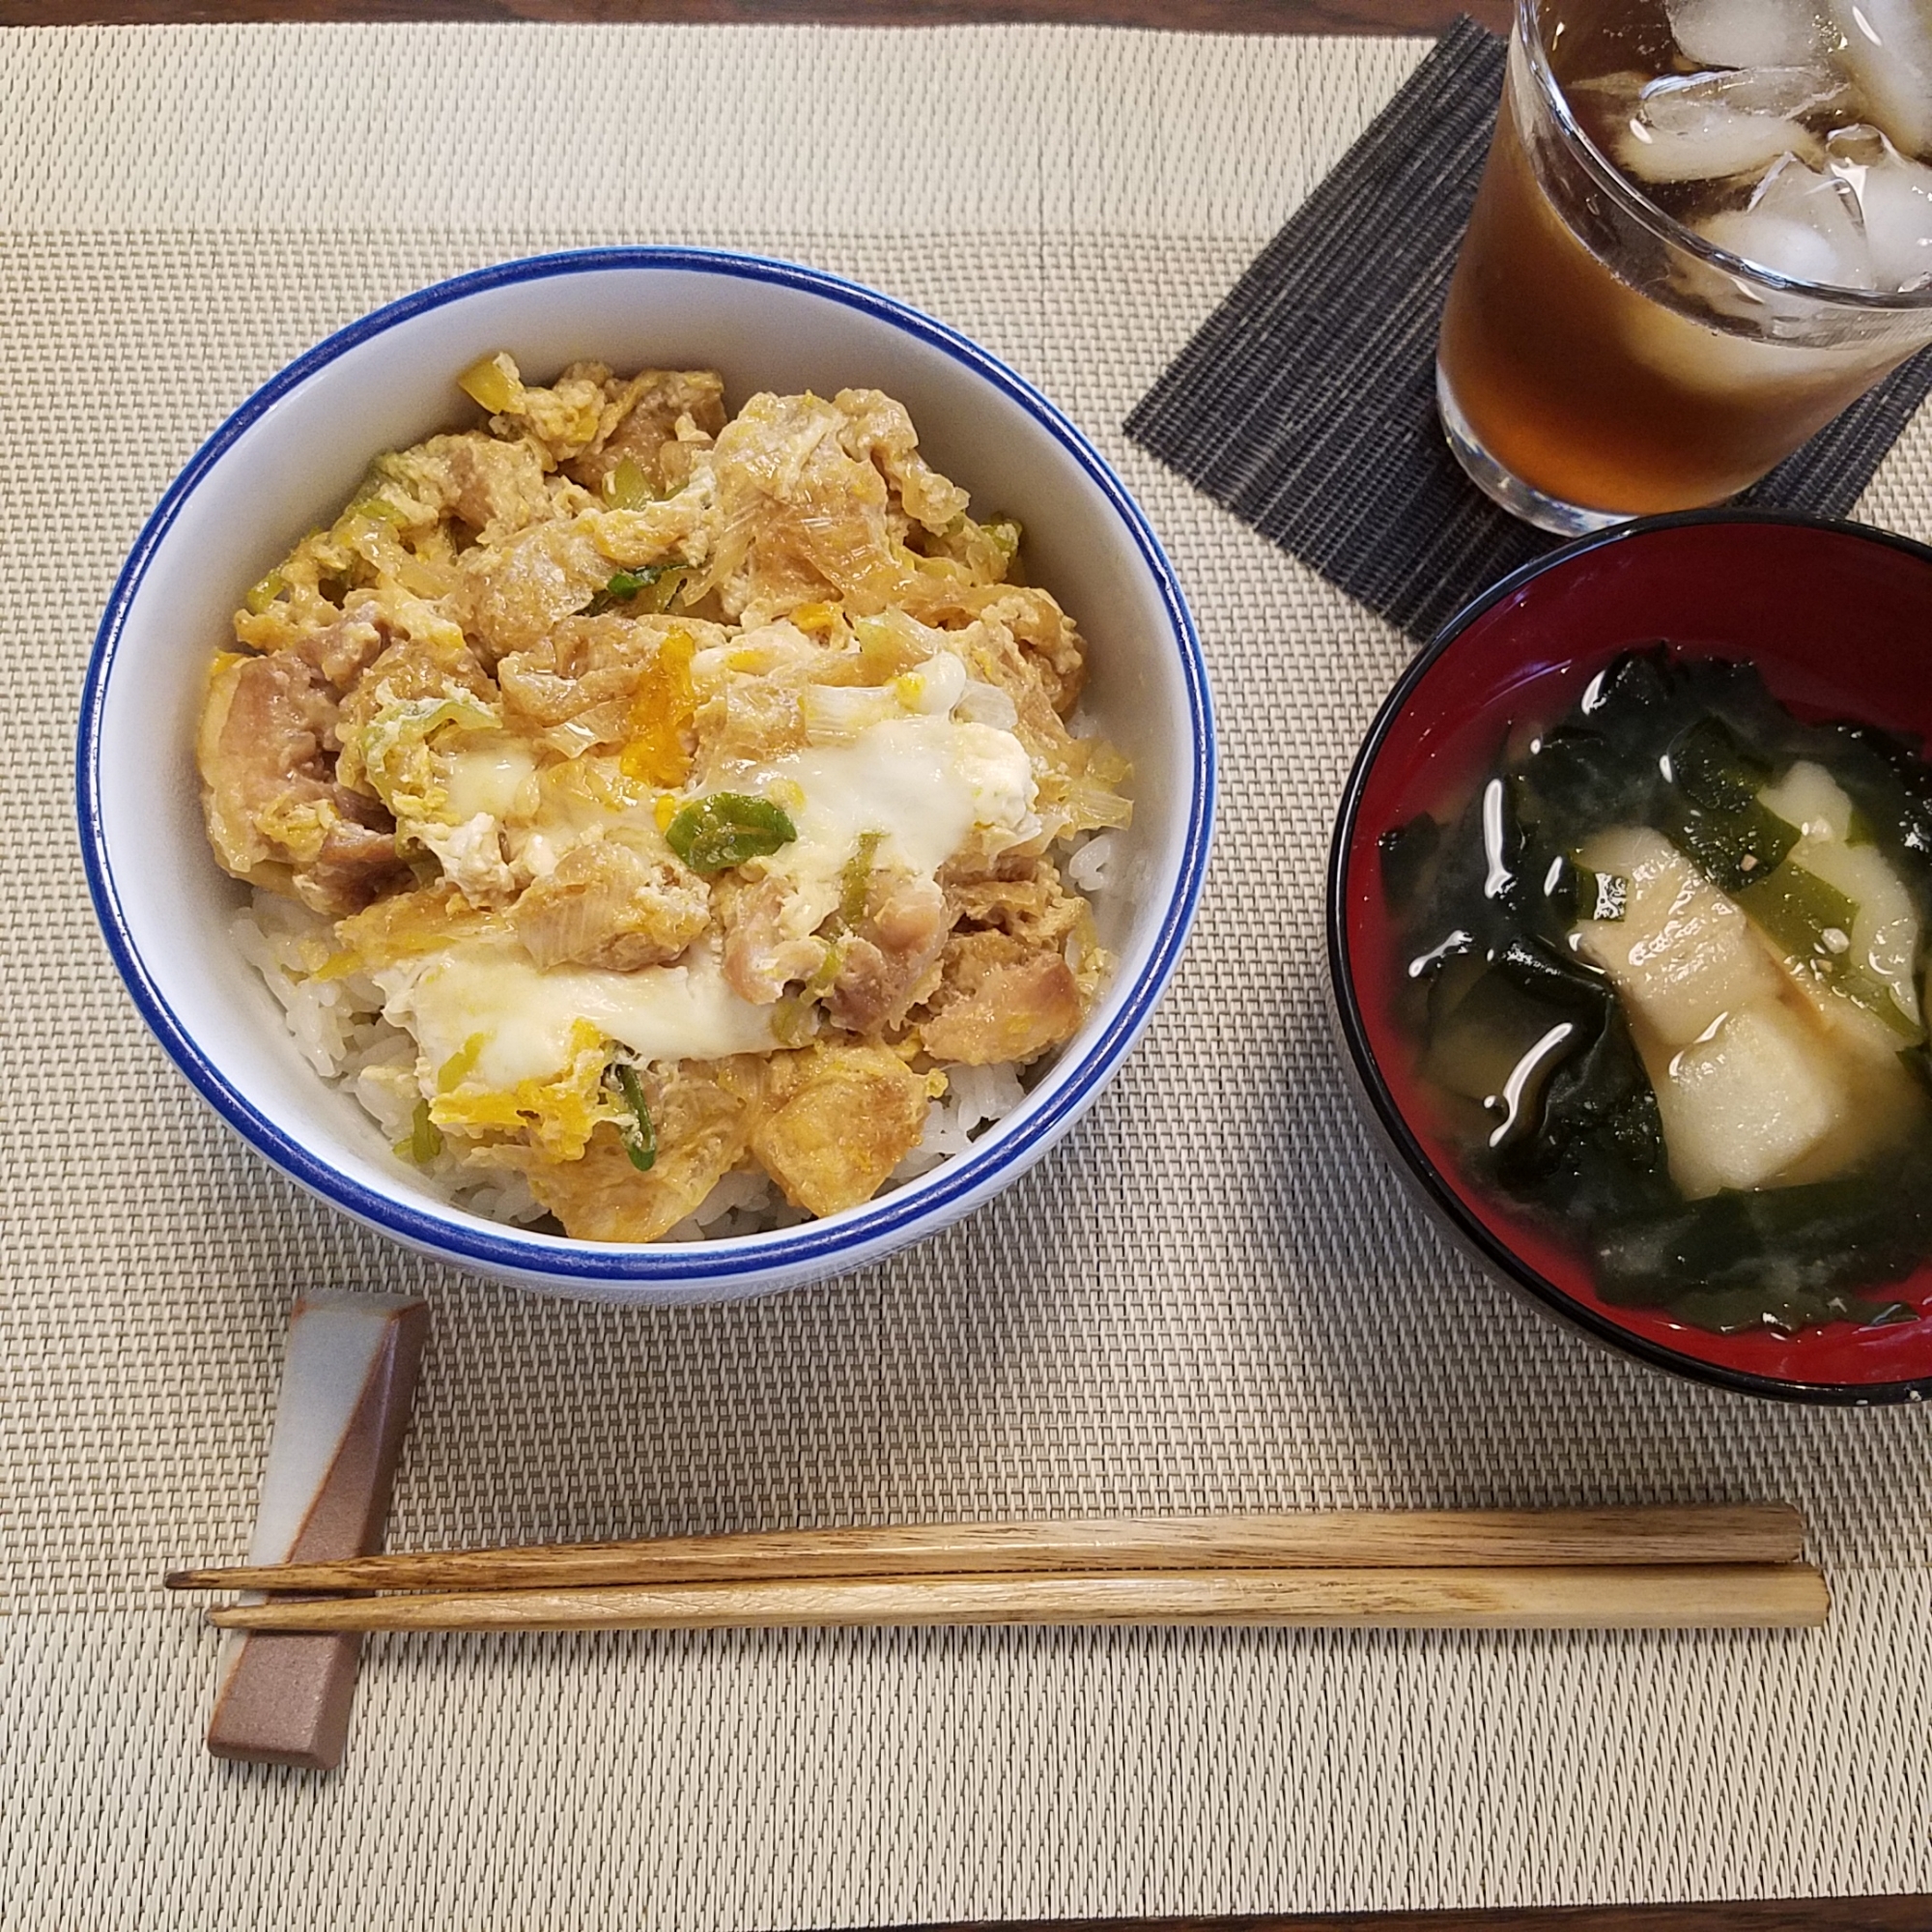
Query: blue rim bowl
854,328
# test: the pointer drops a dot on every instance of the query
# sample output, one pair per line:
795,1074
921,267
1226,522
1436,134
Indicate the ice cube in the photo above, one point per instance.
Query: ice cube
1825,203
1699,356
1895,198
1779,243
1793,91
1747,32
1888,50
1795,242
1703,126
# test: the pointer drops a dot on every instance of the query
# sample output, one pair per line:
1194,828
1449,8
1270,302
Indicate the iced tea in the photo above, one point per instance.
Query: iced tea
1705,227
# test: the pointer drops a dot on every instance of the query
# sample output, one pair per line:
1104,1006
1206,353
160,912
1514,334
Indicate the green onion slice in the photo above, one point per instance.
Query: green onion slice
624,586
714,834
640,1138
424,1140
855,880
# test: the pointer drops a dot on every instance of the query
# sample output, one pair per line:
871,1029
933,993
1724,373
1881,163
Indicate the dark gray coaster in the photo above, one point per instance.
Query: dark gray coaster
1306,404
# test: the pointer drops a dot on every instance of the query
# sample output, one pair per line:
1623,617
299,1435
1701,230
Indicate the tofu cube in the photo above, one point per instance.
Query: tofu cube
1741,1105
1683,955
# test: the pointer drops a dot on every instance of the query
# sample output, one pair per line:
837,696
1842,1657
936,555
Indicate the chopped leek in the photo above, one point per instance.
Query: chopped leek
792,1020
492,382
424,1140
714,834
265,593
625,585
394,746
457,1068
855,882
627,487
1003,532
640,1138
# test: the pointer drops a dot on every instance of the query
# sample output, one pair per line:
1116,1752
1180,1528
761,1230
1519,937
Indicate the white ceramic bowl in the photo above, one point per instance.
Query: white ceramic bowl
293,452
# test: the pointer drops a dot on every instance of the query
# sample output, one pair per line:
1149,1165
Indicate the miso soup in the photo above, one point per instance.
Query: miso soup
1663,973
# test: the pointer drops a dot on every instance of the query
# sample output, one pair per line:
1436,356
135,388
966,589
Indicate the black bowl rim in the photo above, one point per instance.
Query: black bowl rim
1422,1170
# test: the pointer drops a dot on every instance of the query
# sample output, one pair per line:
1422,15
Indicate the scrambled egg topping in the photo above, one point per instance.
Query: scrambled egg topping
686,788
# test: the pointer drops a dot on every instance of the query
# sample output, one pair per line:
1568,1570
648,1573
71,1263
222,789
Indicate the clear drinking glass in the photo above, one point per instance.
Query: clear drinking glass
1599,359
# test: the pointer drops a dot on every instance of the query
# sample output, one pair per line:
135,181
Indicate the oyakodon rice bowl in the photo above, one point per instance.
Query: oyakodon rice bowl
289,459
663,824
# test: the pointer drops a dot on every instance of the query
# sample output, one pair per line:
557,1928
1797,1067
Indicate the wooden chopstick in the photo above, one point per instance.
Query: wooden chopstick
1782,1596
1321,1540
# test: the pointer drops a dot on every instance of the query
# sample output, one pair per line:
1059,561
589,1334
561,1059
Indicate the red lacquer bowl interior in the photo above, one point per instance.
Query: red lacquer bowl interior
1838,619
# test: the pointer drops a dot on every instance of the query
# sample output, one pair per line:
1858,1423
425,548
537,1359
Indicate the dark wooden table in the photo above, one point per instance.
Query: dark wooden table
1242,16
1230,16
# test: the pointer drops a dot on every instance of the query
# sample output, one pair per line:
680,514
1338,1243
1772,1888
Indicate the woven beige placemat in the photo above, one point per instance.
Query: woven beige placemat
1214,1298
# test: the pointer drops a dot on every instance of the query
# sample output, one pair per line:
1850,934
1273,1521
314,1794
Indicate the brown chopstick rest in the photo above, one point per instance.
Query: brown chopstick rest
347,1385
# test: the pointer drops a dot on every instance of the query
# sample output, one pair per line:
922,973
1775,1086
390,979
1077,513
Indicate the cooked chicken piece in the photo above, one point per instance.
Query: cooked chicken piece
749,721
1048,639
275,814
798,518
768,942
358,860
604,905
844,1117
341,651
702,1131
879,430
1001,1001
1034,906
647,412
512,594
584,664
497,488
885,968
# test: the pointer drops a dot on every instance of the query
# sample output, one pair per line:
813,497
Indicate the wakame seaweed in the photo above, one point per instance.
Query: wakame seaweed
1513,1021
